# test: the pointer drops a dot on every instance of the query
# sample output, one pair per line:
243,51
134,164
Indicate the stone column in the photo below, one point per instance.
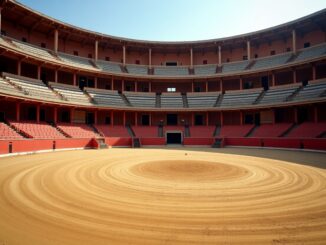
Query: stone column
248,50
294,41
150,58
96,50
219,56
56,40
191,58
124,55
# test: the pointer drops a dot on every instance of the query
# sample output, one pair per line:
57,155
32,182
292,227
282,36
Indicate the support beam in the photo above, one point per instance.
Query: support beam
38,109
222,118
56,40
219,55
38,72
192,87
19,67
95,82
150,119
150,58
71,115
124,55
313,72
96,50
248,50
294,41
191,58
221,85
241,118
112,83
17,112
55,76
295,119
193,119
95,117
294,76
75,79
55,115
315,114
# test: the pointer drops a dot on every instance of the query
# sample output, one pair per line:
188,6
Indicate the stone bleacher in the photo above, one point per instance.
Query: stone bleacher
76,61
108,66
202,99
103,97
138,99
137,69
7,88
311,91
240,98
311,52
171,100
34,88
71,93
235,66
271,61
171,70
278,94
205,69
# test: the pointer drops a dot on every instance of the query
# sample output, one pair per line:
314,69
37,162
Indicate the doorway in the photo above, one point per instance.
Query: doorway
173,137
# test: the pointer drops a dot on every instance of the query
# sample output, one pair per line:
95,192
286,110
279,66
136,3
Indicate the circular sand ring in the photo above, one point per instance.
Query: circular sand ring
159,196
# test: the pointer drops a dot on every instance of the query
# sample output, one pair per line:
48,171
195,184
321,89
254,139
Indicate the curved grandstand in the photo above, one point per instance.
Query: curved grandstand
66,87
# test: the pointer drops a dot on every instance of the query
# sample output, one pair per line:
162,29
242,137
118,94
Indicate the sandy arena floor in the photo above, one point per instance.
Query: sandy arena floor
163,196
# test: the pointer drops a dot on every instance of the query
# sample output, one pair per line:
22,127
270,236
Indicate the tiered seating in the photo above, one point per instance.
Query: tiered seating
76,60
34,88
171,100
312,52
202,100
7,88
171,71
71,93
240,98
235,130
271,130
38,130
113,131
202,131
77,130
141,99
109,66
278,94
234,66
308,130
145,131
311,91
8,133
137,69
205,69
104,97
271,61
30,48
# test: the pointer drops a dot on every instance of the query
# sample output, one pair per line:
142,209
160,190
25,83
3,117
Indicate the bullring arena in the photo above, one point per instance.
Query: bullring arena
164,196
111,140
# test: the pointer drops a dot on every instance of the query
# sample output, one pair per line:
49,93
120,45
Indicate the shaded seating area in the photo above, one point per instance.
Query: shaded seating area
138,99
104,97
71,93
313,90
76,60
278,94
240,98
171,100
108,66
203,99
137,69
171,70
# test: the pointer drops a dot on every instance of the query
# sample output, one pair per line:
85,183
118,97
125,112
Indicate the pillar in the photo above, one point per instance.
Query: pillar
17,112
313,72
207,121
192,87
75,79
38,72
95,82
124,119
0,19
55,115
122,85
273,79
191,58
71,115
112,118
56,76
56,40
221,85
150,86
38,108
112,83
294,76
206,86
136,118
219,56
241,83
193,119
19,67
273,119
124,55
150,119
95,117
136,87
248,50
96,50
294,41
150,58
